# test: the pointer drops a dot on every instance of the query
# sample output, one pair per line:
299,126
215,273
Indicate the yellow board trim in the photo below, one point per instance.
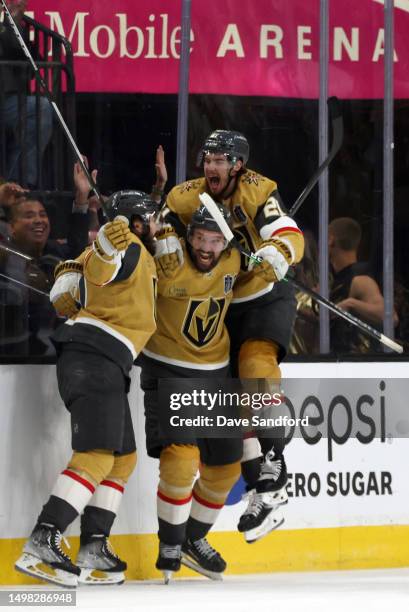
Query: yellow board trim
281,551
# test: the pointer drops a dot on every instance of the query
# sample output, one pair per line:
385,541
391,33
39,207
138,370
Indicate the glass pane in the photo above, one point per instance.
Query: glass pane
258,74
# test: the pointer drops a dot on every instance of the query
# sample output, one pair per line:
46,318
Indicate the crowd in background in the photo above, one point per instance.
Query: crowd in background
38,228
30,250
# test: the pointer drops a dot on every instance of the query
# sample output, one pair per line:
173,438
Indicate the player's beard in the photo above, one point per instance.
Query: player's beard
212,262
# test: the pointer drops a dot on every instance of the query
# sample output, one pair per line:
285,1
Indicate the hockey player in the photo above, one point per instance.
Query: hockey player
96,349
261,317
194,291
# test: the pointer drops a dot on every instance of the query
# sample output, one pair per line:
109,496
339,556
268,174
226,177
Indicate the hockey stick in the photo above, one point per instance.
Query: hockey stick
364,327
368,329
54,106
21,284
14,252
337,138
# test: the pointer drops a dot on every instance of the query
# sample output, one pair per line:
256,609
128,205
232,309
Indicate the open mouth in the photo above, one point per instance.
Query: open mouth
214,182
38,231
204,259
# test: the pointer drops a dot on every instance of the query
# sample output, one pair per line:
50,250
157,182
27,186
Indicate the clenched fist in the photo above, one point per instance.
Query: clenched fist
274,266
114,236
168,252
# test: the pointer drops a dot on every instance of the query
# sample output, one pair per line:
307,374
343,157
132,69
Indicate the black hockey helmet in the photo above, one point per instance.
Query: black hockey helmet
233,145
131,204
202,219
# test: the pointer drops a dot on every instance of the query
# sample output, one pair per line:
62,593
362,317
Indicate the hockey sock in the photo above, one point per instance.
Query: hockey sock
209,495
57,512
277,442
102,509
178,467
250,471
70,494
251,461
196,530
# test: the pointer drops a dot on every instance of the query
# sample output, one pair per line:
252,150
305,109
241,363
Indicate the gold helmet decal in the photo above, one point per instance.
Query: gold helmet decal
202,320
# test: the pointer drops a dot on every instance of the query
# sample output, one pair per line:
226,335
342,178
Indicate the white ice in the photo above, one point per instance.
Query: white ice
346,591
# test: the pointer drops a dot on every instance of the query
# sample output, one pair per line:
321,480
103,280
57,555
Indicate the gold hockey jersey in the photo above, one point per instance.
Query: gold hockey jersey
190,310
117,296
258,214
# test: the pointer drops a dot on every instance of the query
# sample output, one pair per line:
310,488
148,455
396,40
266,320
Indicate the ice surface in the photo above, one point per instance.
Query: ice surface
346,591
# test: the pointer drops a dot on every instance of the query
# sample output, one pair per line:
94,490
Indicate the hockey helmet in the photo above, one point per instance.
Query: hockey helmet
131,204
233,145
202,219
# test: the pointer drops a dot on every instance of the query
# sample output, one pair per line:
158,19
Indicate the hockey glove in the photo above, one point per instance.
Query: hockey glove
275,262
66,306
65,292
113,237
168,252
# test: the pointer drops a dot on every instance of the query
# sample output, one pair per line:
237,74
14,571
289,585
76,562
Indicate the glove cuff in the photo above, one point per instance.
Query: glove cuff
103,246
283,248
165,232
67,266
102,254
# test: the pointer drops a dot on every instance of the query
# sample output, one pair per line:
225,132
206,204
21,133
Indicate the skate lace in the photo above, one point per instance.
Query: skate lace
272,467
255,504
169,551
109,551
203,547
56,538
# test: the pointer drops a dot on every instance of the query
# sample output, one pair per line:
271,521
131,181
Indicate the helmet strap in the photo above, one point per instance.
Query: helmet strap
232,177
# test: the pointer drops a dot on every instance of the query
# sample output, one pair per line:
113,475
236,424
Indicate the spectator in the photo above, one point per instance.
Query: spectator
354,288
14,82
85,200
30,317
9,193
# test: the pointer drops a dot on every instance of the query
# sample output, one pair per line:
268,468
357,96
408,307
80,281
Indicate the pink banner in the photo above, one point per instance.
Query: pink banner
247,47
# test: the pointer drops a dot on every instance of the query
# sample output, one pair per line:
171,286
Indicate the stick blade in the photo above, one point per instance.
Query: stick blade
211,206
391,344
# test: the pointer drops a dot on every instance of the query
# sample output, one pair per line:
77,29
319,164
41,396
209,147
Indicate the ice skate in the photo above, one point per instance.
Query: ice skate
98,562
203,558
263,513
44,558
168,560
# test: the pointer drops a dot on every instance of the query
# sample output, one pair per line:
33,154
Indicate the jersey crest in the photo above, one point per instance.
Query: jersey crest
202,320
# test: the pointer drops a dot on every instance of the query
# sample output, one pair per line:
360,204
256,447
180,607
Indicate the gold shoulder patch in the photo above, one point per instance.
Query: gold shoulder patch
252,178
189,186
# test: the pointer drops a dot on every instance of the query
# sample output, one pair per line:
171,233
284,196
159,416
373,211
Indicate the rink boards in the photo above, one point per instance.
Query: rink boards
348,496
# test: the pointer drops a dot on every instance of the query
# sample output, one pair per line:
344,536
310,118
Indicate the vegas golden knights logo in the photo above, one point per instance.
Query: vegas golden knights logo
243,237
202,320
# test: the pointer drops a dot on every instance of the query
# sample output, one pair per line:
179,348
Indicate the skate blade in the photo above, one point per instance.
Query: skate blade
187,561
35,567
273,521
92,576
167,576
